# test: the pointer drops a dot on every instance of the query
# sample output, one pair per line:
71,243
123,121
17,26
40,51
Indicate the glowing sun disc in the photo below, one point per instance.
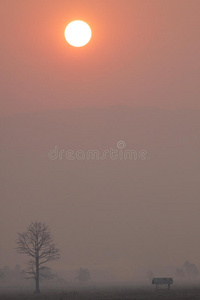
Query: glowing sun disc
78,33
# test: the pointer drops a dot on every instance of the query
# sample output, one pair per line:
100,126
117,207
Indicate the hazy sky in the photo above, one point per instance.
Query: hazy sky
136,81
142,53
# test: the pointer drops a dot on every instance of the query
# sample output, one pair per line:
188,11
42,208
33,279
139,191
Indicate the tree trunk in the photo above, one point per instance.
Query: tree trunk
37,277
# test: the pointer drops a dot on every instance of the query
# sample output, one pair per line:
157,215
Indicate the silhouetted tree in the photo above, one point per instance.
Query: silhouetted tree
180,273
83,275
37,242
2,275
191,270
150,275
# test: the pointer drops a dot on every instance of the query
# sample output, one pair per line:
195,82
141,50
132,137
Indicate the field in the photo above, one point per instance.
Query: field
108,293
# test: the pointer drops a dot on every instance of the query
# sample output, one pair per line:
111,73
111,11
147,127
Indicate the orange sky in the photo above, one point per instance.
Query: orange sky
142,53
137,81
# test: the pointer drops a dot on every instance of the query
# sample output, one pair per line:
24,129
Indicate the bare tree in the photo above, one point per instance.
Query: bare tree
191,270
37,242
150,275
83,275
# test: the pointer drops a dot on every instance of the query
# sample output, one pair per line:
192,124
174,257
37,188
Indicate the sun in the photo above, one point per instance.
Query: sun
78,33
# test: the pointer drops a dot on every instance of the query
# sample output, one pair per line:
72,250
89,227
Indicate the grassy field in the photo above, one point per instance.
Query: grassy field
109,293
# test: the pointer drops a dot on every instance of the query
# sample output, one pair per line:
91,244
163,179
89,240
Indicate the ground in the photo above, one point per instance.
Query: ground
108,293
